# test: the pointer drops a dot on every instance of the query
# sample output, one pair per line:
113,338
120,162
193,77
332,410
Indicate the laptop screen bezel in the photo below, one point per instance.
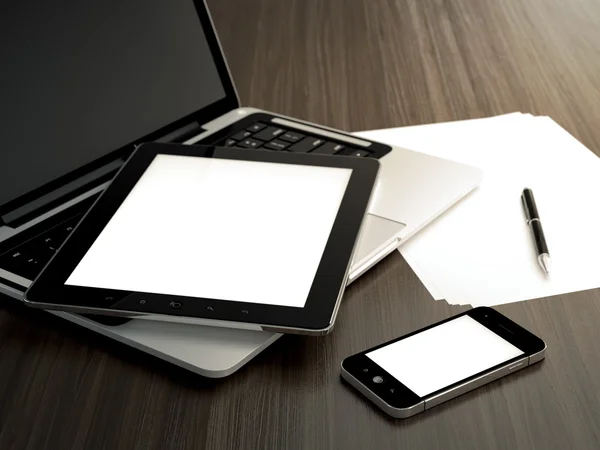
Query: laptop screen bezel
201,116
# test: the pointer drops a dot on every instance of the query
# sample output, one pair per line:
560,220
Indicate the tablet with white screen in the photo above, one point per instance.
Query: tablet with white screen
208,235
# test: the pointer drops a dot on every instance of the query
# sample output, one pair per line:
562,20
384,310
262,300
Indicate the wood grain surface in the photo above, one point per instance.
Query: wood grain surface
350,64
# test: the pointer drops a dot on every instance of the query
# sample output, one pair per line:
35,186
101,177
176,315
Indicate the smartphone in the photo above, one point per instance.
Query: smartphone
420,370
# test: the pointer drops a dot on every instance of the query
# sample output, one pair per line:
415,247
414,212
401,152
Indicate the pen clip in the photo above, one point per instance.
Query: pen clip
525,208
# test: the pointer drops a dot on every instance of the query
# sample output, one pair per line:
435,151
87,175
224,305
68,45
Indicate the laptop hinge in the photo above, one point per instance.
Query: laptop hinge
25,213
182,134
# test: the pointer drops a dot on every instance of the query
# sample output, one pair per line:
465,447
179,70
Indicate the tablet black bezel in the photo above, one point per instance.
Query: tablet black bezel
49,290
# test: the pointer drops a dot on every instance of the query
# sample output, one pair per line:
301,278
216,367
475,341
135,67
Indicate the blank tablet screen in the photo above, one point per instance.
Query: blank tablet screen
216,228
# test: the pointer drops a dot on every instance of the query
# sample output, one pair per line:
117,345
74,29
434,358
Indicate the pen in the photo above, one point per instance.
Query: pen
533,220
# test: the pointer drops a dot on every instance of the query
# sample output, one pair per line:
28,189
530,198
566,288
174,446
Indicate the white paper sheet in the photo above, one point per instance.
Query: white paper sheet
480,252
435,292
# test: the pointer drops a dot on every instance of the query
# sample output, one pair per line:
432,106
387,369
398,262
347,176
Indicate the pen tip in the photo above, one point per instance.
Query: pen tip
545,262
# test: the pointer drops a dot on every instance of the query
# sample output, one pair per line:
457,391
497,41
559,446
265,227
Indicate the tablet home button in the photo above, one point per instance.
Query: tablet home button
175,305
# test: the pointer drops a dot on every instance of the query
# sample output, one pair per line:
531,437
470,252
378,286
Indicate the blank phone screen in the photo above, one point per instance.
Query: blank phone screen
223,229
443,355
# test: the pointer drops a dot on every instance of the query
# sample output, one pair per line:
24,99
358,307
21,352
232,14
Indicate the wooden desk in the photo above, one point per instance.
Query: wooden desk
353,65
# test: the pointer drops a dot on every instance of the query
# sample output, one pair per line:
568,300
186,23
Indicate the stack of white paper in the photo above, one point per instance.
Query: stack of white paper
480,252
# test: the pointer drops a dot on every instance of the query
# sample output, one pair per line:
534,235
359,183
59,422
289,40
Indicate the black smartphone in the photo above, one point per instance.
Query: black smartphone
422,369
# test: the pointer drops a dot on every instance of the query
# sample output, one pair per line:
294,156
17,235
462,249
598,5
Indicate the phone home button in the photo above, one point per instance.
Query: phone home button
175,305
377,379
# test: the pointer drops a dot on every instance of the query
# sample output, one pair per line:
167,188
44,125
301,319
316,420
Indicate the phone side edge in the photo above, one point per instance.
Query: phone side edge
478,382
538,356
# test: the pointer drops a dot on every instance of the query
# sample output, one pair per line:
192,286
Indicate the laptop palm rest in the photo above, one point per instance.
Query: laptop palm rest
375,231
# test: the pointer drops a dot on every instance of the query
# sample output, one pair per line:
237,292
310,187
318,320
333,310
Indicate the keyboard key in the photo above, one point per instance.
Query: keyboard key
291,137
250,143
67,230
25,261
31,268
13,261
306,145
256,127
43,247
268,133
355,152
50,242
330,148
276,145
62,231
241,135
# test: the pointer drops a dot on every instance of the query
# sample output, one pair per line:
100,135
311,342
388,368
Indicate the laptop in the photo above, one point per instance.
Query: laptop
82,86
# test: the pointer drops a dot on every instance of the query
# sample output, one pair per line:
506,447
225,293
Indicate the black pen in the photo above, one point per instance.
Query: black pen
533,220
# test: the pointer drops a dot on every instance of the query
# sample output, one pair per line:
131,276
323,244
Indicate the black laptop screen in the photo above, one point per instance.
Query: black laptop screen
82,78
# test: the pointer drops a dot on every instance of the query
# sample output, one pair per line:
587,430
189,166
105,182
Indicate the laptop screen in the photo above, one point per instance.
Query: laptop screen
82,78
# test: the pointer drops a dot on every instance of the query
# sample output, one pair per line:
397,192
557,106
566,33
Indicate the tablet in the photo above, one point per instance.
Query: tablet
216,236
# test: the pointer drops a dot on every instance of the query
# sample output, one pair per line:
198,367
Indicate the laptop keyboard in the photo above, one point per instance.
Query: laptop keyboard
269,137
41,242
30,257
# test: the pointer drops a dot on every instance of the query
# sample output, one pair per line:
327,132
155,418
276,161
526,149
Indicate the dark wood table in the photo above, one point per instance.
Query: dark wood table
349,64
